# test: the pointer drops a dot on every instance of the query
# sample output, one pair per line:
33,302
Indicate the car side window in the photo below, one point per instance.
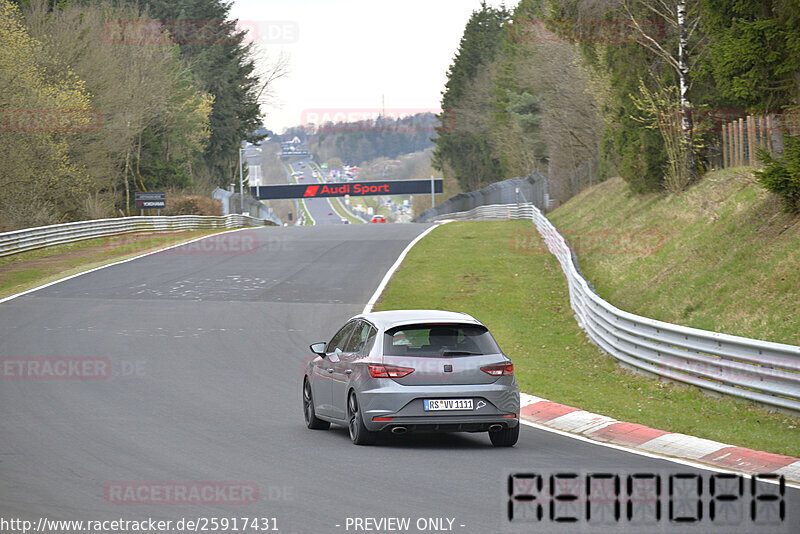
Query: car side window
339,340
371,336
359,337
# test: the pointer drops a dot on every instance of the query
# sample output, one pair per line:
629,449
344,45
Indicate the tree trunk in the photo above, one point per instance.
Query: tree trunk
686,107
127,185
138,160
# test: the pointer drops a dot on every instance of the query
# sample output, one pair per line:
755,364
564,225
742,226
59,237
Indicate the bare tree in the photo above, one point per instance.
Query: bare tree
269,72
555,71
674,14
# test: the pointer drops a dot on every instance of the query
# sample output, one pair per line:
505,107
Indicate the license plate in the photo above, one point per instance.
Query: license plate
448,404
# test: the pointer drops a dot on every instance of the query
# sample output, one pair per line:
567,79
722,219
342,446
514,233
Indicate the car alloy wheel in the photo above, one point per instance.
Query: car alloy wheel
312,421
358,431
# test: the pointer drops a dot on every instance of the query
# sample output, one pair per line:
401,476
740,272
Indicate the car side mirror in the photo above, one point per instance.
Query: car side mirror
319,348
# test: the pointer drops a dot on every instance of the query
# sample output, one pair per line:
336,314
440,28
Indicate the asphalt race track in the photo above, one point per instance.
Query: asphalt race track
207,345
319,208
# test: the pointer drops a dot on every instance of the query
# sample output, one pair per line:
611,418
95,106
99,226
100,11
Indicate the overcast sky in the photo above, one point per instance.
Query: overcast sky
346,55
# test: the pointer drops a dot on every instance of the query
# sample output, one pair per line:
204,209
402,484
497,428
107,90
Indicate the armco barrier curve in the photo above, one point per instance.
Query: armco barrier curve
59,234
764,372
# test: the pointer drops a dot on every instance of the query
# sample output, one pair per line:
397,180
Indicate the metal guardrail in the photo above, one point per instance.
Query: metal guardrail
59,234
764,372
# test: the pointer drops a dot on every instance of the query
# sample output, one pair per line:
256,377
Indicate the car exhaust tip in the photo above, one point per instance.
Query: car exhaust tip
399,430
495,428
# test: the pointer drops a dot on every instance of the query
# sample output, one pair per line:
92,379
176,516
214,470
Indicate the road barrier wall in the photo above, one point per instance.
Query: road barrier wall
531,189
231,203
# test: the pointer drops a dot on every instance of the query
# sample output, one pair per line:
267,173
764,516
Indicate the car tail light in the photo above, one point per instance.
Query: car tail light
376,418
389,371
503,369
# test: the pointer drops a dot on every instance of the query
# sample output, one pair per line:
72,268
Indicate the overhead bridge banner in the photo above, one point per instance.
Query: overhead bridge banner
353,189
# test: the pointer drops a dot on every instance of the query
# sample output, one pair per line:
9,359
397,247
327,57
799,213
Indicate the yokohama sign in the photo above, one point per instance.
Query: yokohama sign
354,189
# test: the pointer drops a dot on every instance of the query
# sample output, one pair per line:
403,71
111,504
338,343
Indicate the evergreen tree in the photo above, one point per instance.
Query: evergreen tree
754,55
463,144
221,63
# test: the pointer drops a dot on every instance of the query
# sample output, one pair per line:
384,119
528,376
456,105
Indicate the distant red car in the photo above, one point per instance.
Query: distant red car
378,219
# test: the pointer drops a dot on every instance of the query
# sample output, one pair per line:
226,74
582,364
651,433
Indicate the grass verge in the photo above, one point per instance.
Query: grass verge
521,294
720,256
21,272
307,220
342,212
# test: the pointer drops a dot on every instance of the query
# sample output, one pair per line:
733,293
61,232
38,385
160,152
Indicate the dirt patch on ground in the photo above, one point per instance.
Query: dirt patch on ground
469,285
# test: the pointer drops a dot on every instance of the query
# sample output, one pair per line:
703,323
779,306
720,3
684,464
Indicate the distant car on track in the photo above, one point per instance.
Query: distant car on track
378,219
412,371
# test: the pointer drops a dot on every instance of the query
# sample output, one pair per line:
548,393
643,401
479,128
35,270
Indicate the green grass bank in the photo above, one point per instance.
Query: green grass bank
491,271
721,256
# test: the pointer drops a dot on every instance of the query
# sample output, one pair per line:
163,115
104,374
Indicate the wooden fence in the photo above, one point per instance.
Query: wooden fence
741,138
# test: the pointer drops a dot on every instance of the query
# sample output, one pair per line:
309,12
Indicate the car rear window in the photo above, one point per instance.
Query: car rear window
442,340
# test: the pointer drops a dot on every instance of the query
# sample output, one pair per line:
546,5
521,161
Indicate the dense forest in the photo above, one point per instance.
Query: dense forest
583,90
101,99
359,141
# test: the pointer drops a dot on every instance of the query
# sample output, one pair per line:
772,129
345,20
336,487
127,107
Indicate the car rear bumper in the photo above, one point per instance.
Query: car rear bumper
493,404
445,424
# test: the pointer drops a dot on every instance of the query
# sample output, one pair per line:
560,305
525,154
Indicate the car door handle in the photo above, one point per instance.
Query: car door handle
330,369
348,372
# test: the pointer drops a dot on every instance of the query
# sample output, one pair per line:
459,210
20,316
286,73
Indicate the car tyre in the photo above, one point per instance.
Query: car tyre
309,414
359,433
505,438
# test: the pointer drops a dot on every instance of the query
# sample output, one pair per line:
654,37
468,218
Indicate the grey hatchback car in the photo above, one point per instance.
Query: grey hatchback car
412,371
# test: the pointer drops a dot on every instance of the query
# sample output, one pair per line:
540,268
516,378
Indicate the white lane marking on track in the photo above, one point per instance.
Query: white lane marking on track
308,212
374,298
37,288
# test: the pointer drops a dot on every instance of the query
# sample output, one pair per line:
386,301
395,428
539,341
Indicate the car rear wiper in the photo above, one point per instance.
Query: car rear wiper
459,353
